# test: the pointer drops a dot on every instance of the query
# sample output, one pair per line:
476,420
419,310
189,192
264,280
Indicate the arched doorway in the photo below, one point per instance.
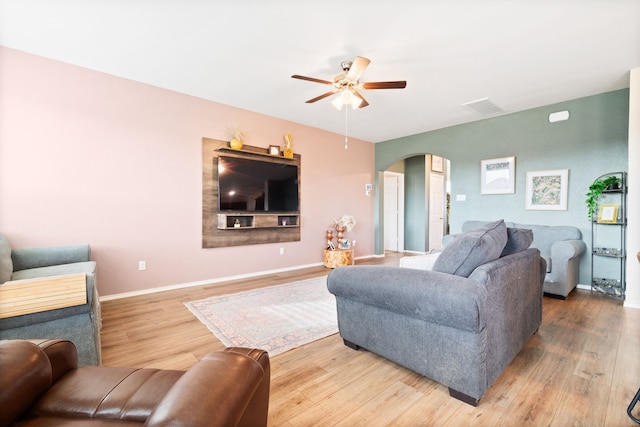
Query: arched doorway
415,204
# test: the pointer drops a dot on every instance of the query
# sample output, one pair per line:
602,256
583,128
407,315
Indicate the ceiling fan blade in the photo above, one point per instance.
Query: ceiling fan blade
324,95
357,68
311,79
359,95
401,84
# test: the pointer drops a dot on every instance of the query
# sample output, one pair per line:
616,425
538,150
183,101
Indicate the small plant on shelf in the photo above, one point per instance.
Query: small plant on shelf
236,138
596,189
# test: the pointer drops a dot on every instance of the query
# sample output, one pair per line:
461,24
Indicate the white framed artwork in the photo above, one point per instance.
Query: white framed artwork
498,176
547,190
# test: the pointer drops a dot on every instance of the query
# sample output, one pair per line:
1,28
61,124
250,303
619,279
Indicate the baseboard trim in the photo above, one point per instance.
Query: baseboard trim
214,281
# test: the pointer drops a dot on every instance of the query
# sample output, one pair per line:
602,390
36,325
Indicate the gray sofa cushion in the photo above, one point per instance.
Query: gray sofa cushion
6,264
87,267
473,248
518,239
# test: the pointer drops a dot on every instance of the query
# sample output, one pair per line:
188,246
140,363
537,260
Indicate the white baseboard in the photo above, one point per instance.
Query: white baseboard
213,281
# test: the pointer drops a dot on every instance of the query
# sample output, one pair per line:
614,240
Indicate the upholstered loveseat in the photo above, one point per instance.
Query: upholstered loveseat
51,292
460,323
41,385
560,245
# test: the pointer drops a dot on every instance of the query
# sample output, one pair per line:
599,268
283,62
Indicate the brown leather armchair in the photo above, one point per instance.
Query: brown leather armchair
42,385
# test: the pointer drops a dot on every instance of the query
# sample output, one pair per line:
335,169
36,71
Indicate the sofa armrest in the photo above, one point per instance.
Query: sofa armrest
431,296
216,391
563,273
26,258
26,374
257,411
567,249
62,354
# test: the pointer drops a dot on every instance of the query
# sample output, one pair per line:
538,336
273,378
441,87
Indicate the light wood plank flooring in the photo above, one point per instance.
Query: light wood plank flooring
581,369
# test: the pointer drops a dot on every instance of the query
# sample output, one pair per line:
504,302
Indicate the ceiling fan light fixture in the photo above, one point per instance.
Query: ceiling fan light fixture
337,103
346,97
347,83
355,102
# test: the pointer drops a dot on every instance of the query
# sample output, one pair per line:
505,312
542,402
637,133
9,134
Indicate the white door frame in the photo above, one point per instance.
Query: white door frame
398,224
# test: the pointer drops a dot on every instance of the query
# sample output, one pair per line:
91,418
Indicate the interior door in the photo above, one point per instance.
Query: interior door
436,210
393,212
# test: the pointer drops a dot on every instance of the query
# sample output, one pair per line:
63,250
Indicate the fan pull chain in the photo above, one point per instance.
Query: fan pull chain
346,127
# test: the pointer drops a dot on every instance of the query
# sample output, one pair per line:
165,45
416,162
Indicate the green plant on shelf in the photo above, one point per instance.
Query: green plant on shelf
595,190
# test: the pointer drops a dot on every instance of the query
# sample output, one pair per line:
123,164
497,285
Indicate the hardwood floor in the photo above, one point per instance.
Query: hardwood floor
582,368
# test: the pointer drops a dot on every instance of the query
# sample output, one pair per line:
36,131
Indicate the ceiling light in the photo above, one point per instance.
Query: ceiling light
337,102
346,97
558,116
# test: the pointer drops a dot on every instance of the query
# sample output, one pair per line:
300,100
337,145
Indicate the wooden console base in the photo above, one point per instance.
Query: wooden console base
338,258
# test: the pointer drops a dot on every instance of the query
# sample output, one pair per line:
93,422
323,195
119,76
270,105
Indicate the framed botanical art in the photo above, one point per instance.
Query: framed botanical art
547,190
497,176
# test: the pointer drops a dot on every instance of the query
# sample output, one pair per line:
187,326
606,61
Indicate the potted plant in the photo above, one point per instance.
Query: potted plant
611,182
236,138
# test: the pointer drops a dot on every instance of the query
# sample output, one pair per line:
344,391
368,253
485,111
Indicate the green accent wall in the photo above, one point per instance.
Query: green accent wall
592,142
415,209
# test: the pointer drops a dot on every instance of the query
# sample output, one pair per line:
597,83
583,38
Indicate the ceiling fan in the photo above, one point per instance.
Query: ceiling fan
347,84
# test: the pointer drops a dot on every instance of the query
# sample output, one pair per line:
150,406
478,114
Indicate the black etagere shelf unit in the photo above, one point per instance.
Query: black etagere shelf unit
608,238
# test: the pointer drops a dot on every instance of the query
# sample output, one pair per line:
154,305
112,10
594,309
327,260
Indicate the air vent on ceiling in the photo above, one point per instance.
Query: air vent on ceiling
484,106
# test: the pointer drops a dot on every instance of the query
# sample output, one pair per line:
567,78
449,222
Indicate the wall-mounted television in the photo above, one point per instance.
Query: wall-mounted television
250,185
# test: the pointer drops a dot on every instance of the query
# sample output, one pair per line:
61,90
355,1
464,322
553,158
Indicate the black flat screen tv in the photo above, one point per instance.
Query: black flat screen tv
249,185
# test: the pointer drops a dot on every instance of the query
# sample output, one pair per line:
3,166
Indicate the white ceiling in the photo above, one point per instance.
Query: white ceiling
519,53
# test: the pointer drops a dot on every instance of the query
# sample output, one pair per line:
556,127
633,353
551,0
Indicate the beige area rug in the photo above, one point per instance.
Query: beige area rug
276,318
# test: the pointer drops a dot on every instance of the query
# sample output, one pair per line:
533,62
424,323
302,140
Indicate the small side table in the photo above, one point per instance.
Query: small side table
338,258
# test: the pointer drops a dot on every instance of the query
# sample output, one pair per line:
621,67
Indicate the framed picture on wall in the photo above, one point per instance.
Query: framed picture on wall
437,163
547,190
497,176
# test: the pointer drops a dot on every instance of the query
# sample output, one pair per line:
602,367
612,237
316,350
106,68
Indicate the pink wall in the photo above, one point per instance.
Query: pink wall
87,157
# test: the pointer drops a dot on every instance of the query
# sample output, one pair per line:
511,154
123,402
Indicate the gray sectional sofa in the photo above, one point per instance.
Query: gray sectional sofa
79,323
460,323
560,245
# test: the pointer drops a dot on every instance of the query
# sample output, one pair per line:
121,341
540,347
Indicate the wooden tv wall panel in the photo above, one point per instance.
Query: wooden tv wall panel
266,229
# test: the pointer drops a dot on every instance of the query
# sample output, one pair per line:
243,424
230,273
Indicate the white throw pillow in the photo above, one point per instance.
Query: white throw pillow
419,262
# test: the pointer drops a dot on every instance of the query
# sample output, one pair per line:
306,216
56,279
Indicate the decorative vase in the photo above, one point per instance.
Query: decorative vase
236,144
288,150
329,239
340,235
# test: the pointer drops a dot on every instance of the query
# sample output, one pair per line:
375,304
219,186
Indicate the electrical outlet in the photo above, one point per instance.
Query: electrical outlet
281,251
142,265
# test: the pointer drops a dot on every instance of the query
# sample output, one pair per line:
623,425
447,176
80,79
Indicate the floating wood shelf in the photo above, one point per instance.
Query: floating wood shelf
241,221
247,149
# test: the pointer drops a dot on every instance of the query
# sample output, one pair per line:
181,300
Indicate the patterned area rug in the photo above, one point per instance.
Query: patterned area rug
276,318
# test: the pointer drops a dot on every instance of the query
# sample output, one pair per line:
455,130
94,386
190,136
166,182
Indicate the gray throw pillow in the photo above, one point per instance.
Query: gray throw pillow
518,239
472,249
6,264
